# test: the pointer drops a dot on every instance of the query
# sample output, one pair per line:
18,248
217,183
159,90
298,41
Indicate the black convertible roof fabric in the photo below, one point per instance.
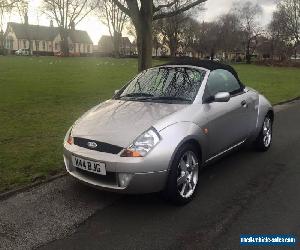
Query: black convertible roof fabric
207,64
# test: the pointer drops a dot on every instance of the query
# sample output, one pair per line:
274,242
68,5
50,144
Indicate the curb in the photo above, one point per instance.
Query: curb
5,195
288,101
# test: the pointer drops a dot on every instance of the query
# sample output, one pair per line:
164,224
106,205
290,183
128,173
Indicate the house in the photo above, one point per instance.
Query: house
45,40
106,48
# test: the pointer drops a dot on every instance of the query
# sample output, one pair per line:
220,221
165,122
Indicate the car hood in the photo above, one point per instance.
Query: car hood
121,122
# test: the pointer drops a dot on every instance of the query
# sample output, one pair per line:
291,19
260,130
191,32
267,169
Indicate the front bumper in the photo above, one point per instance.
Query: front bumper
146,176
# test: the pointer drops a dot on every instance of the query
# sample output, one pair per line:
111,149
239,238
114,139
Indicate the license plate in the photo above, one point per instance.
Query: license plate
90,166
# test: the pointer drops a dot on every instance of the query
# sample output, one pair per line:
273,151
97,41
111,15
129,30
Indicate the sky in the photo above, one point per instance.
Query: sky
213,9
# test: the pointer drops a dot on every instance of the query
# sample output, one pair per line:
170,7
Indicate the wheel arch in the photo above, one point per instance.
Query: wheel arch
197,145
271,114
181,133
189,140
264,108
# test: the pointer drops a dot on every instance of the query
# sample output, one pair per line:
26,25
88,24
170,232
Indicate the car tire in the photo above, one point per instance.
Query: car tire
264,140
182,183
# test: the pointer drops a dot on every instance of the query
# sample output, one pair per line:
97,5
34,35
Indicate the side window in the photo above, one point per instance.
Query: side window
221,81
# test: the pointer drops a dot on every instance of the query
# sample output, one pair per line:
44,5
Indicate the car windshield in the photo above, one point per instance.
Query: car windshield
164,84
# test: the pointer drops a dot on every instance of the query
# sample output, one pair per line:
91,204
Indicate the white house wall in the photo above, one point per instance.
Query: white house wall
49,45
11,34
56,44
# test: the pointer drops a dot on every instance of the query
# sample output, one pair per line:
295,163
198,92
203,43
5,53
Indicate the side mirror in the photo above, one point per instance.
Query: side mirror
116,91
222,97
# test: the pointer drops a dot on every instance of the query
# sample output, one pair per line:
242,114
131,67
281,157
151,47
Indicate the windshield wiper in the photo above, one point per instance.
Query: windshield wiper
142,95
170,98
150,97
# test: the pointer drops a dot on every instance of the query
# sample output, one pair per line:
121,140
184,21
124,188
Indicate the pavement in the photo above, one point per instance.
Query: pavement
246,192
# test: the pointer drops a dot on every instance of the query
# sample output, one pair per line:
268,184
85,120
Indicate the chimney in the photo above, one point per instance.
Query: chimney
51,24
26,18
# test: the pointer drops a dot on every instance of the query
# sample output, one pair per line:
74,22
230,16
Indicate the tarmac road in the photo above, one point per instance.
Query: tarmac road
246,192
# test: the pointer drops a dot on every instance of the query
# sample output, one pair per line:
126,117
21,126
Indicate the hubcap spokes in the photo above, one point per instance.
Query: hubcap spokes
267,132
187,174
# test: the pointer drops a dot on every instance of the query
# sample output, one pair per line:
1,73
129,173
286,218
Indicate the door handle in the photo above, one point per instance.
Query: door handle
244,104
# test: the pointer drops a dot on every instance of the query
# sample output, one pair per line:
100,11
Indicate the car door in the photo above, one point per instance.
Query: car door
226,121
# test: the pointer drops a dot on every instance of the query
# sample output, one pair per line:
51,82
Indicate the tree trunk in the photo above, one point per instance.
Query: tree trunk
272,49
212,54
296,50
173,48
30,47
144,35
64,42
248,56
116,41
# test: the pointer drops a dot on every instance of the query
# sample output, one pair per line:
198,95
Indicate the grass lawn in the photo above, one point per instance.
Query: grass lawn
42,96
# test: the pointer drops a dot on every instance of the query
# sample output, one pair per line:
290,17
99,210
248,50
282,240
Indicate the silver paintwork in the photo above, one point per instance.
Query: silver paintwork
222,97
215,127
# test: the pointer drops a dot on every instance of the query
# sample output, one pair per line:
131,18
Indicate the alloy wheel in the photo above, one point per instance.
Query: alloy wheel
267,132
187,178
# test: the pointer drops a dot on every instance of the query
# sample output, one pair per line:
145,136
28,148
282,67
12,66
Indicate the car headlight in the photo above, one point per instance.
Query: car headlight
143,144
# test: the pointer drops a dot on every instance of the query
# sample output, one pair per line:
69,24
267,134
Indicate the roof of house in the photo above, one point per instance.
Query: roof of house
125,41
37,32
80,36
107,39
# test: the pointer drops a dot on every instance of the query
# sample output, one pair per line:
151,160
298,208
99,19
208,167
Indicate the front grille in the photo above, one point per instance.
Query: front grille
101,146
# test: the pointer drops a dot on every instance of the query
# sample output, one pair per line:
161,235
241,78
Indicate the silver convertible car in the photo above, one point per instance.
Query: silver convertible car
162,127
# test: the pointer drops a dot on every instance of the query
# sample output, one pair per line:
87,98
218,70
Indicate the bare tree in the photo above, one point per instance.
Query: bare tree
278,38
115,19
22,9
67,14
6,7
191,26
230,33
289,14
248,14
8,3
212,39
157,37
172,29
142,14
203,38
194,36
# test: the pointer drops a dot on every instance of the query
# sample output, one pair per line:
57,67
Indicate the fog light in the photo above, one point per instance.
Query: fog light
124,179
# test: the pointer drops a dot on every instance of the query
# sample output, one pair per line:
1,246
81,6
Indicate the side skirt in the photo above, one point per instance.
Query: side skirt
225,151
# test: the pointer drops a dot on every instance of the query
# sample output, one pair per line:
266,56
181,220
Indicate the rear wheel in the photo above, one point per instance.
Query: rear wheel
264,139
184,174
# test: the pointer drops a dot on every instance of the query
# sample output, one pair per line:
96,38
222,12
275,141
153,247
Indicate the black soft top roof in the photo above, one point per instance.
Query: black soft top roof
207,64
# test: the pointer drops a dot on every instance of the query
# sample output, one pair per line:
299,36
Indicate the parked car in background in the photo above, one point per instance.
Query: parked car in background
296,57
23,52
160,129
215,59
